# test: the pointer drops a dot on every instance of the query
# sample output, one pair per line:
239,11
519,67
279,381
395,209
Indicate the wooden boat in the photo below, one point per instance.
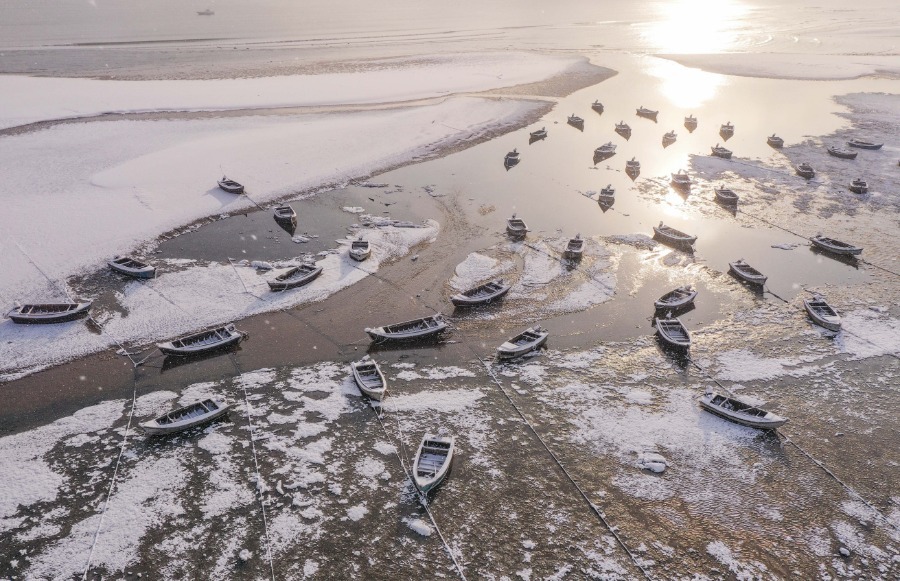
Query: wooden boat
822,313
606,150
859,186
597,106
835,246
647,113
46,313
607,195
202,342
514,154
676,299
231,186
294,277
633,166
623,129
414,330
369,378
775,141
482,294
841,153
740,412
516,227
186,418
722,152
746,272
860,144
432,461
727,129
575,120
804,170
681,180
673,332
672,236
690,123
525,342
670,137
575,247
132,267
539,134
360,249
285,213
726,195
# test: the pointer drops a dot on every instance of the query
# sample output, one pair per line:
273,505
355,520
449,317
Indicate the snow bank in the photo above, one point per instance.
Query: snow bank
448,401
868,333
791,66
419,526
475,269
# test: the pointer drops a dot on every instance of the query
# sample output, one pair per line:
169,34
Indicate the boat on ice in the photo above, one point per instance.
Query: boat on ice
607,195
775,141
202,342
835,246
804,170
822,313
285,213
132,267
647,113
859,186
525,342
360,249
597,106
676,299
231,186
369,378
186,418
415,330
294,277
575,247
673,332
740,412
482,294
725,195
719,151
841,153
861,144
746,272
432,461
672,236
41,313
690,123
516,227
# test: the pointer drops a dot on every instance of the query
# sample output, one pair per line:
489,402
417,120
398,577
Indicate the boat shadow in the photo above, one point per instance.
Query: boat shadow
605,206
510,163
536,139
289,226
673,312
757,289
154,440
730,207
680,246
171,362
491,307
577,125
725,135
633,174
847,259
598,157
680,356
388,346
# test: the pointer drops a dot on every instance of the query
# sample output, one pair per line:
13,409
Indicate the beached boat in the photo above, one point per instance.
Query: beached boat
726,195
859,186
746,272
669,138
720,151
834,246
822,313
231,186
606,150
726,129
482,294
673,332
597,106
860,144
360,249
514,154
539,134
294,277
38,313
285,214
575,120
775,141
676,299
369,378
417,329
132,267
690,123
186,418
670,235
432,461
607,195
804,170
623,129
575,247
525,342
633,166
647,113
681,180
516,227
740,412
202,342
841,153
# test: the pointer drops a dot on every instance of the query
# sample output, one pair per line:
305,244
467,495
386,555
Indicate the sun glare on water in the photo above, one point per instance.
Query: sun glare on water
696,26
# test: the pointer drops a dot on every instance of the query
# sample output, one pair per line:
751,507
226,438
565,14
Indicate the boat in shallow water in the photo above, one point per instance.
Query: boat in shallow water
575,120
186,418
608,149
673,332
670,235
417,329
46,313
432,461
647,113
539,134
719,151
775,141
676,299
726,129
835,246
482,294
597,106
516,227
202,342
369,378
525,342
285,213
623,129
740,412
607,195
690,123
822,313
681,180
725,195
746,272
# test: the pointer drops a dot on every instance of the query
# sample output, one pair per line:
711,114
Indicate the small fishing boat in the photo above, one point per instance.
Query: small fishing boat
727,129
231,186
432,461
676,299
597,106
804,170
859,186
746,272
822,313
775,141
417,329
514,154
726,195
860,144
369,378
606,150
575,120
740,412
720,151
202,342
681,180
360,249
207,12
285,214
672,236
186,418
525,342
673,332
633,166
623,129
539,134
482,294
38,313
647,113
607,195
294,277
516,227
669,138
574,248
132,267
690,123
841,153
835,246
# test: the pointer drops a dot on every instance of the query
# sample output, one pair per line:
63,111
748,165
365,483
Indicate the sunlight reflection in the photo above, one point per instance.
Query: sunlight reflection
685,87
696,26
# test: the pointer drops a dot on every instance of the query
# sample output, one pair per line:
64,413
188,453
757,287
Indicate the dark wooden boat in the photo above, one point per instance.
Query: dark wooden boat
525,342
482,294
607,195
740,412
822,313
597,106
606,150
514,154
647,113
432,462
539,134
669,138
860,144
575,120
681,180
623,129
725,195
727,129
859,186
747,273
775,141
417,329
841,153
186,418
369,378
672,236
690,123
231,186
804,170
574,248
516,227
294,277
285,214
673,332
132,267
202,342
720,151
835,246
633,166
676,299
46,313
